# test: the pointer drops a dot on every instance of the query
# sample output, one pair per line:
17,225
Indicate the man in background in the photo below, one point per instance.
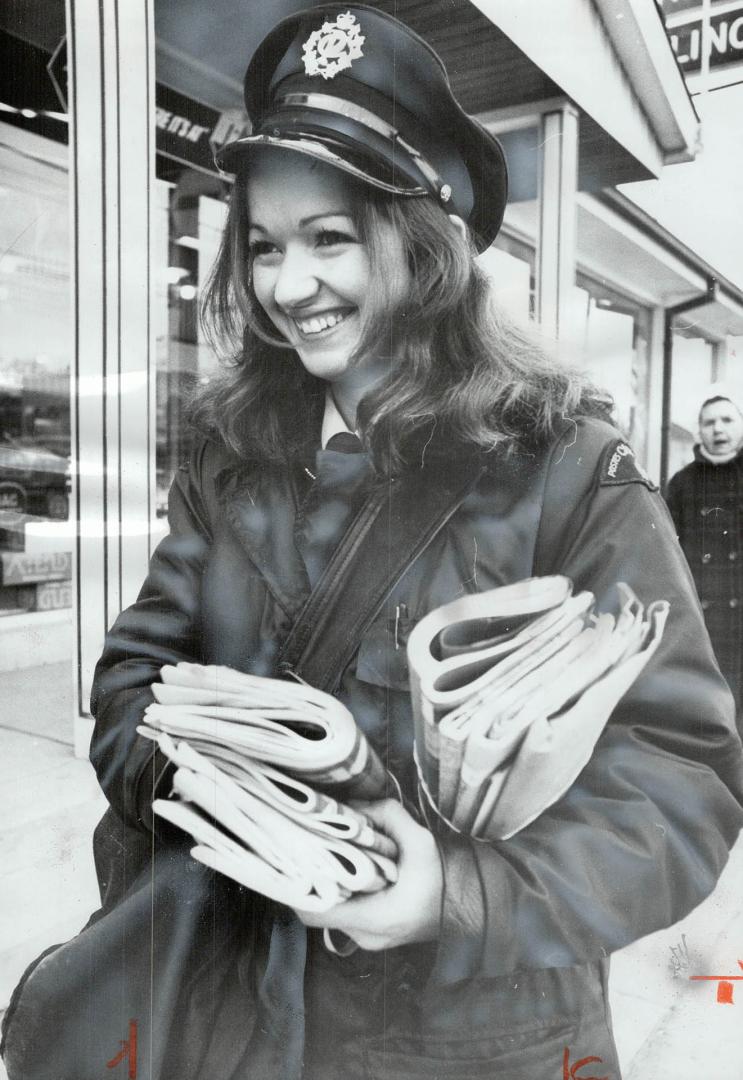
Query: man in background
706,502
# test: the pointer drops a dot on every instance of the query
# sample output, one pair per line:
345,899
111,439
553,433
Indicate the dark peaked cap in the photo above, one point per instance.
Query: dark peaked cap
356,88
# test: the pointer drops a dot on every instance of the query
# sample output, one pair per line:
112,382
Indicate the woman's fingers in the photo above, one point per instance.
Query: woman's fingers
391,818
402,913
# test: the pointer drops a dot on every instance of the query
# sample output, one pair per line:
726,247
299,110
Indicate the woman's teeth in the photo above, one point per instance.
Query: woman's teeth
320,322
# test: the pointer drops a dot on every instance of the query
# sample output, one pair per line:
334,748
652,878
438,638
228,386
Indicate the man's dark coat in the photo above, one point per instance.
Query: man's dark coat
706,504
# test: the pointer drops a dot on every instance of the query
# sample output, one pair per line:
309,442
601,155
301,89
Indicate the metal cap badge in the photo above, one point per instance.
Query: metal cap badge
333,47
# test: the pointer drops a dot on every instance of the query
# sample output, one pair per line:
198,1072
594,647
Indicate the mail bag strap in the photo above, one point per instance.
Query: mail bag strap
396,523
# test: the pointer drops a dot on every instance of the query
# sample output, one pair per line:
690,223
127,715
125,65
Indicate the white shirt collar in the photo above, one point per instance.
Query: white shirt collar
332,421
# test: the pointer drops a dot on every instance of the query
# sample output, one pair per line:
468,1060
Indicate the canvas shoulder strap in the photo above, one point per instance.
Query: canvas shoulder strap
395,524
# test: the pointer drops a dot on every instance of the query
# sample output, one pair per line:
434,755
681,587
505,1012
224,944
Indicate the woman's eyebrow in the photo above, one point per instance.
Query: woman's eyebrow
303,222
325,213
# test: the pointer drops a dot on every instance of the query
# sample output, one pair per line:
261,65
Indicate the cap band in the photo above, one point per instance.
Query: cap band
316,149
341,107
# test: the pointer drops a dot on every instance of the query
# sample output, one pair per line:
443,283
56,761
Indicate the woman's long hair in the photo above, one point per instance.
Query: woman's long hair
460,375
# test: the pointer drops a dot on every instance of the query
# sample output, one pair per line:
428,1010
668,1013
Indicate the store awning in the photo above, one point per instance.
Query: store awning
619,244
613,59
654,260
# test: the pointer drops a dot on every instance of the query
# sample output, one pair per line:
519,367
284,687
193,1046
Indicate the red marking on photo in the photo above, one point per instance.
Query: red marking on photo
128,1052
570,1072
724,987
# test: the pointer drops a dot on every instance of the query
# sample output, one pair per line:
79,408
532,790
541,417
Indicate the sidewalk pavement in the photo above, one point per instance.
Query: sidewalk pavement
667,1026
49,805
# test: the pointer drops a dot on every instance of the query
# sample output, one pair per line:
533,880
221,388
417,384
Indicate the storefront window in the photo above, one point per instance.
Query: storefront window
36,522
693,371
609,335
509,264
197,108
190,215
35,545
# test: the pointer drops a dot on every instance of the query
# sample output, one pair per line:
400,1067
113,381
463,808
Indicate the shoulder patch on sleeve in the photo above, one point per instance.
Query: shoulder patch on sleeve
619,466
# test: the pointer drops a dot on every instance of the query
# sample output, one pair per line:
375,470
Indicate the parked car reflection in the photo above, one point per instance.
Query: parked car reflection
33,480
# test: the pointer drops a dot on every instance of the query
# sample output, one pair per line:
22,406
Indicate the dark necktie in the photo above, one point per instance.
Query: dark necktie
345,442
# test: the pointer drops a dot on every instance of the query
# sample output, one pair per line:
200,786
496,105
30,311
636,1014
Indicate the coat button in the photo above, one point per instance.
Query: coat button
732,555
706,557
733,601
705,605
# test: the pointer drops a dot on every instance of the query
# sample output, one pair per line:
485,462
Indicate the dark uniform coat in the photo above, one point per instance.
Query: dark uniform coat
706,504
518,977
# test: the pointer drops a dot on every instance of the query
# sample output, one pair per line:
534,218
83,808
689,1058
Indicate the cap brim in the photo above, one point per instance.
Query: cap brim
229,157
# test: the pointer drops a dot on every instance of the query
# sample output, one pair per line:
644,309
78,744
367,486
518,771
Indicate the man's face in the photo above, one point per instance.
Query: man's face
720,427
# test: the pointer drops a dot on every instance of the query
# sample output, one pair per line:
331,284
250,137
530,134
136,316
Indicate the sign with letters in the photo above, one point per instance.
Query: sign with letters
23,568
675,7
189,132
710,50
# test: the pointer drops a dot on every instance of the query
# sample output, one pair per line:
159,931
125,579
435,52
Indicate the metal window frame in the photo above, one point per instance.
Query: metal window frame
112,174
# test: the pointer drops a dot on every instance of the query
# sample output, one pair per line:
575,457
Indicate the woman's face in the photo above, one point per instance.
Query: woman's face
311,271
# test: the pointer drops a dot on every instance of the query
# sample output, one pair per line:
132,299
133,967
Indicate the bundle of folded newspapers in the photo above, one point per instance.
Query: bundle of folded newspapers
511,691
251,754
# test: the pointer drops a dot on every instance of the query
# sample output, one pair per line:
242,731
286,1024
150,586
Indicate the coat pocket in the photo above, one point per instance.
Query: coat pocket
382,659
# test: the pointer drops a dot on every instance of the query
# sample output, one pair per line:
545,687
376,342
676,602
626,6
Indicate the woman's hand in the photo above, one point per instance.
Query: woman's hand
405,912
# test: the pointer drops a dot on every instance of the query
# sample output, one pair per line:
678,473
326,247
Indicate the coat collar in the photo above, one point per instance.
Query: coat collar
707,459
259,500
259,504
